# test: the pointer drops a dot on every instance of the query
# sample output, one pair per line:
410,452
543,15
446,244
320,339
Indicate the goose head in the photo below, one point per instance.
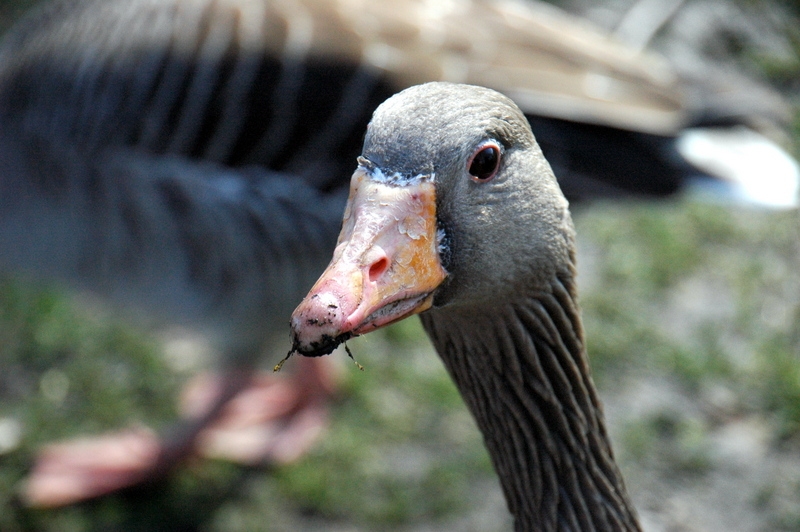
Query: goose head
452,204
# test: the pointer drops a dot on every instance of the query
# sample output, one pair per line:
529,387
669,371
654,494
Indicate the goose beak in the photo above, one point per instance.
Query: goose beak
385,267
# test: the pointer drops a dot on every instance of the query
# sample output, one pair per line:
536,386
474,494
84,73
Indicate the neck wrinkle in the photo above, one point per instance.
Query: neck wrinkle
522,369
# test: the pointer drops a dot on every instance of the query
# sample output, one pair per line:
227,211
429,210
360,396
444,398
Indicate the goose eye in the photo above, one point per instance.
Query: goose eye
484,163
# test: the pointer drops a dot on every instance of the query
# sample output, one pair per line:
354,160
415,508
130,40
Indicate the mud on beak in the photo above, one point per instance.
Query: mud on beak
385,267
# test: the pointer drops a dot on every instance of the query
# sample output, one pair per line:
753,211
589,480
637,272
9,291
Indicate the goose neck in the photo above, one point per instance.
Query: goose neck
521,367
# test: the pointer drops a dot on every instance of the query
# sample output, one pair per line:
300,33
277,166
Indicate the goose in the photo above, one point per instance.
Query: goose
189,158
456,216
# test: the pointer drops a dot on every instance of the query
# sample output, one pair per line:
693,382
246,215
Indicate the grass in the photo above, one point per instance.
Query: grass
402,451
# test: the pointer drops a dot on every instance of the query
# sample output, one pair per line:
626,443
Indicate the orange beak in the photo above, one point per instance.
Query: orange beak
385,266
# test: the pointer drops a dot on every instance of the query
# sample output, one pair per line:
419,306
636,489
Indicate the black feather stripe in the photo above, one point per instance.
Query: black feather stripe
339,102
284,96
227,112
90,95
207,74
160,116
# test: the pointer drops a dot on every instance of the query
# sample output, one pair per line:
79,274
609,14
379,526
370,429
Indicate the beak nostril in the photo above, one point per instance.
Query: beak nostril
378,268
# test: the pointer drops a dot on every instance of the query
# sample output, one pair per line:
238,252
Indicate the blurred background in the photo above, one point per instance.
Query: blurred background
692,312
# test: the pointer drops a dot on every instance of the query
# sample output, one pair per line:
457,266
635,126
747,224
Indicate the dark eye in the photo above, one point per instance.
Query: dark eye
484,162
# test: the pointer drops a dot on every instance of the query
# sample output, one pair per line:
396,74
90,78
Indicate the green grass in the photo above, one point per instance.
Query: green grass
402,449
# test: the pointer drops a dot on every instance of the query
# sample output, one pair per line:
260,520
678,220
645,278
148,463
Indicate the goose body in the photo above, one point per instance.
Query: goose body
190,157
291,87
